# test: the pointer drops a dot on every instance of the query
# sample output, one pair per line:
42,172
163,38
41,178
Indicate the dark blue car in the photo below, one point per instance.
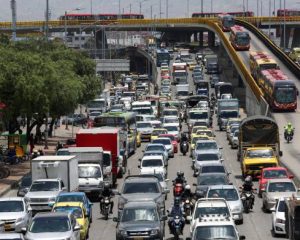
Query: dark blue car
76,197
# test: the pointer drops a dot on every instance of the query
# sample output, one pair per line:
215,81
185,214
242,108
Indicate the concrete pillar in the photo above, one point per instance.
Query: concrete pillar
296,38
195,36
211,39
287,37
101,41
201,39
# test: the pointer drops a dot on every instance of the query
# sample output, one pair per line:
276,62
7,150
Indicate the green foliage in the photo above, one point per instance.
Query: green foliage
38,77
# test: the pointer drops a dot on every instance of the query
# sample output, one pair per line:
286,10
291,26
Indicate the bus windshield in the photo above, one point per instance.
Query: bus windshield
285,95
96,104
243,38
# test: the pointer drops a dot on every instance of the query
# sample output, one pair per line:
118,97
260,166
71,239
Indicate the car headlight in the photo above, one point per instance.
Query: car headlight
278,220
123,232
154,232
52,199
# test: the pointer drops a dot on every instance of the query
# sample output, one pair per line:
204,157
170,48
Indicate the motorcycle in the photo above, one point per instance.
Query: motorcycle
184,147
176,227
247,200
288,135
105,207
177,189
188,209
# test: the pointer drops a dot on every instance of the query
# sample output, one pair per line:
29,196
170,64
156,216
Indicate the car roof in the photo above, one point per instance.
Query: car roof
274,168
152,157
212,174
146,204
143,122
223,187
52,214
71,194
161,138
154,144
212,163
207,141
68,204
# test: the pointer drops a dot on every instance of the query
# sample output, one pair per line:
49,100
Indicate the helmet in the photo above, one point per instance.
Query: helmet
187,187
248,179
180,174
289,125
176,201
106,185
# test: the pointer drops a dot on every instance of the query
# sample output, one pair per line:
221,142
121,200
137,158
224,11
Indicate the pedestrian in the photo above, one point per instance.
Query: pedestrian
31,142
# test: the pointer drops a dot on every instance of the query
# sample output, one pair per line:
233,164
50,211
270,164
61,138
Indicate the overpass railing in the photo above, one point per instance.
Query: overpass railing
292,66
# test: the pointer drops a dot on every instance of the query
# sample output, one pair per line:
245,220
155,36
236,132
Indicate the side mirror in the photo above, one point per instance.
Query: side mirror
291,176
139,166
189,218
29,209
86,215
115,219
167,191
140,159
116,192
222,160
164,218
195,184
167,180
23,230
50,204
76,228
64,189
242,237
280,153
188,238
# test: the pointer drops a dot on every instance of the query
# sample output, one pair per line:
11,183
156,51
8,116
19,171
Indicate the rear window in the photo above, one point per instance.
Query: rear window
212,169
140,187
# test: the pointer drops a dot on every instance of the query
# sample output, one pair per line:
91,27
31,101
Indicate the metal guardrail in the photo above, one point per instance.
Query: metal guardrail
293,67
61,23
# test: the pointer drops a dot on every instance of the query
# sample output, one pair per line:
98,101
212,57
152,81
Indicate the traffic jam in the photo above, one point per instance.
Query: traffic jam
152,165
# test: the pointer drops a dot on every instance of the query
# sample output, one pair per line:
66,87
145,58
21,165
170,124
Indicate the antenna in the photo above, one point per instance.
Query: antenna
13,5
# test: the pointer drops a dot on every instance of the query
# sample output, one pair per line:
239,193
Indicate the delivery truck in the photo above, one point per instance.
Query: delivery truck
110,139
50,176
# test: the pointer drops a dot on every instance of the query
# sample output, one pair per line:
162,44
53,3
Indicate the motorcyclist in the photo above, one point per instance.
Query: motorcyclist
183,139
248,187
187,193
176,210
107,192
180,178
288,129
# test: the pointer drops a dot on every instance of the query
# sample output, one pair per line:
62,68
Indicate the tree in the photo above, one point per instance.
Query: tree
38,77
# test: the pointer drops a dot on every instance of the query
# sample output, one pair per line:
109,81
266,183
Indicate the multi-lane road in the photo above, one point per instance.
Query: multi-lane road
256,226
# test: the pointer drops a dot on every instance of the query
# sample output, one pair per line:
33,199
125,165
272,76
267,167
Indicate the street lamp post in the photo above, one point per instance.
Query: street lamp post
284,25
211,6
201,6
47,20
167,8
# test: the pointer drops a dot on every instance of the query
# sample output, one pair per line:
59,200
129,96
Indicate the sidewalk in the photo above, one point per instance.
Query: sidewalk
19,170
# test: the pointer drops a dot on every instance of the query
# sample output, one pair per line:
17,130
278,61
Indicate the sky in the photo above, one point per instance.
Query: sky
35,9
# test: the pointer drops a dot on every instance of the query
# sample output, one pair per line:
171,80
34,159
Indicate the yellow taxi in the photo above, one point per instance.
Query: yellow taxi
257,158
207,132
138,139
79,212
192,65
196,128
196,138
158,131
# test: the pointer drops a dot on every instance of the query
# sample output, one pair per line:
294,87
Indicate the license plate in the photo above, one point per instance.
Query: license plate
7,227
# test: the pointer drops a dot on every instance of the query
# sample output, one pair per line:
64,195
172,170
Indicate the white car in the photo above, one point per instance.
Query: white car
209,206
205,157
171,120
152,165
167,143
173,129
278,218
15,213
145,128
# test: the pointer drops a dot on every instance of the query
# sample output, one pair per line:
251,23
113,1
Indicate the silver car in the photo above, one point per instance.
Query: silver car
53,226
231,195
15,213
203,146
276,189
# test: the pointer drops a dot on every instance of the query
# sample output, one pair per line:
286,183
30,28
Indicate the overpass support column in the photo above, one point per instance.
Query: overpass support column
101,42
211,39
195,36
296,37
201,39
287,37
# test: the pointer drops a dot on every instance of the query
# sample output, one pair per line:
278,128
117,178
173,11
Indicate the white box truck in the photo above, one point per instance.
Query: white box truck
50,176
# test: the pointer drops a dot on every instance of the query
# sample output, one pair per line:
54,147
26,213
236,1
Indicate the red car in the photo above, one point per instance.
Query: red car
271,173
173,140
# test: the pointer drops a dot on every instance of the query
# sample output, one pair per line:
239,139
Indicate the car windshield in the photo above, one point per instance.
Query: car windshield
213,169
170,113
140,187
195,139
171,128
207,157
227,114
204,132
281,187
198,115
260,153
155,148
211,210
162,141
153,154
77,211
50,224
215,232
158,132
206,145
152,163
44,186
89,172
171,120
275,174
227,194
139,214
11,206
195,129
69,198
233,129
211,180
144,125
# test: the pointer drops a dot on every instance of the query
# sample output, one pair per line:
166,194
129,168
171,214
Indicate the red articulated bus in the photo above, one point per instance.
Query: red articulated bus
96,17
215,14
288,12
239,38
